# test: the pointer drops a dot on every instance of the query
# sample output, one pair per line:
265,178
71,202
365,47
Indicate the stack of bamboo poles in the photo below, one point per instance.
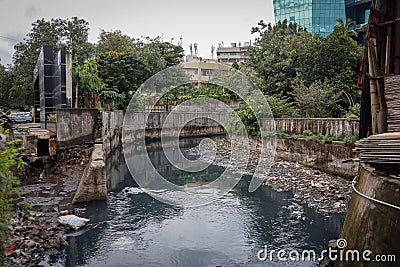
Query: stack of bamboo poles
380,149
392,91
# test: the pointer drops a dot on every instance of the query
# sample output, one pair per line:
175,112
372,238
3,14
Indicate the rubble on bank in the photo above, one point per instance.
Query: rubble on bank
47,190
321,191
29,239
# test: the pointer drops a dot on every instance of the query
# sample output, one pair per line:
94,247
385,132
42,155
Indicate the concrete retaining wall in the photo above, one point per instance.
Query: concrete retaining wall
112,130
92,185
76,126
370,225
113,122
332,157
331,126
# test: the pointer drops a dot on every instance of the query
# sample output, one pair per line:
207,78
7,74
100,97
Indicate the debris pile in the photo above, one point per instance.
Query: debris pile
28,239
324,192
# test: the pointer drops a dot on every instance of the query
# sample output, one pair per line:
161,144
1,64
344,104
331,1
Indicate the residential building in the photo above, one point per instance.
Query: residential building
202,70
234,53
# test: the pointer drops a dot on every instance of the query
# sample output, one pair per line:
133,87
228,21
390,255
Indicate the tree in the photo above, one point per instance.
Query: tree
74,37
110,98
274,55
318,100
114,41
122,73
87,83
157,55
347,26
281,107
341,70
5,85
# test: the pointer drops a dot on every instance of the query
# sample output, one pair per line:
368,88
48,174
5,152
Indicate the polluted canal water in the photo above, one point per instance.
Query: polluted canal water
134,229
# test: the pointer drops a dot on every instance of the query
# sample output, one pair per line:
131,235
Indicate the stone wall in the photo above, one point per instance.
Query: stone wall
331,126
76,126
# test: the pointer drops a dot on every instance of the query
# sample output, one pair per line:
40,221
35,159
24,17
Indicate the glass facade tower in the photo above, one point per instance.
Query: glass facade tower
317,16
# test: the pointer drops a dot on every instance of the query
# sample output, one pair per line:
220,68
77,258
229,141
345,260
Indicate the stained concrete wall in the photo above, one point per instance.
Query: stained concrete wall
335,157
331,126
112,130
370,225
76,126
113,122
92,185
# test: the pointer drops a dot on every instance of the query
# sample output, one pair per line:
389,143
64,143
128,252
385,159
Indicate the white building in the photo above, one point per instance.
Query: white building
234,53
202,70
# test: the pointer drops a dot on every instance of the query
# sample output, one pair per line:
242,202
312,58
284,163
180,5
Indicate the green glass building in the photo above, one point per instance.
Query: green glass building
317,16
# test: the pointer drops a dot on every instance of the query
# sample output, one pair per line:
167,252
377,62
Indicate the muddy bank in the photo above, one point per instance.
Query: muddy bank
323,192
48,190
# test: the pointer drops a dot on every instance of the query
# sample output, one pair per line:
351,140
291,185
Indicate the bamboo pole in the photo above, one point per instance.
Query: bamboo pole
388,52
373,89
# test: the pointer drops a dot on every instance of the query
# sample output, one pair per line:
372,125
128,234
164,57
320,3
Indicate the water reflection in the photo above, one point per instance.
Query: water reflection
133,229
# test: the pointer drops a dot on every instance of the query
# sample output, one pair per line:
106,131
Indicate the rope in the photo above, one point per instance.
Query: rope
353,184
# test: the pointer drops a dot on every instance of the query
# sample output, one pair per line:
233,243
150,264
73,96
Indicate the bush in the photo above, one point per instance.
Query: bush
9,194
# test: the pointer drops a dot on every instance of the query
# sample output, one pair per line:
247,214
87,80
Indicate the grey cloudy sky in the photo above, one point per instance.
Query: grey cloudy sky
206,22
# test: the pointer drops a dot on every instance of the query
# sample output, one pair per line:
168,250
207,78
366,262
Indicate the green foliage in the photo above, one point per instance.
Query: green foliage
318,64
274,56
320,99
125,63
158,55
9,193
281,107
5,85
285,54
52,117
249,120
86,82
111,99
189,91
281,134
114,41
122,73
309,135
354,112
351,139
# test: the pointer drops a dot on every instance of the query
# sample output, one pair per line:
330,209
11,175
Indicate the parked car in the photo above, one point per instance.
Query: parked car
21,117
